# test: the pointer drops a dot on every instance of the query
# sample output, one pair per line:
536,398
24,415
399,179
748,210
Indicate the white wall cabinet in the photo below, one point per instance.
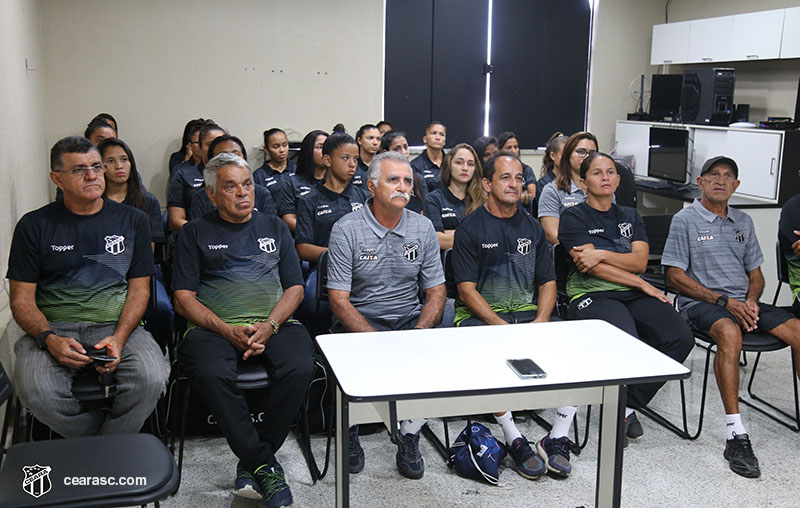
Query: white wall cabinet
757,35
790,46
760,35
670,43
710,40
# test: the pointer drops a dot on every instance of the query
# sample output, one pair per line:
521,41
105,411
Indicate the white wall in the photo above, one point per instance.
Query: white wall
249,64
23,147
622,34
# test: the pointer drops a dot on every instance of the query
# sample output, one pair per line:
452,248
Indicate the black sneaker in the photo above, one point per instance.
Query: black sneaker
409,460
555,451
275,490
246,485
356,456
528,464
633,429
740,456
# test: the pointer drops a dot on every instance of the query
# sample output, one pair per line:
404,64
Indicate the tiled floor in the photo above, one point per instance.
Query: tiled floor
660,470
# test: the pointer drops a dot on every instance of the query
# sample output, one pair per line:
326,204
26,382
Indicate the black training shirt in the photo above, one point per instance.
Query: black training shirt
239,271
614,230
319,210
444,209
271,179
508,259
81,264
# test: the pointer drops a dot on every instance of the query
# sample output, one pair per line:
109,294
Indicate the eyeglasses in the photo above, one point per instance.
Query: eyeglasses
82,171
582,152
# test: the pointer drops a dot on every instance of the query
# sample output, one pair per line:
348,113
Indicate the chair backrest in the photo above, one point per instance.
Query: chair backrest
561,267
780,263
6,389
322,277
449,277
657,227
626,192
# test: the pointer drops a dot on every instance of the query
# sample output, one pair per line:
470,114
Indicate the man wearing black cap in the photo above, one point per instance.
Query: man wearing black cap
714,260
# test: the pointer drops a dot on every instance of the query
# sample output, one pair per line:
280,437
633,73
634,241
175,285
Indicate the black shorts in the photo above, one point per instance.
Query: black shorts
703,315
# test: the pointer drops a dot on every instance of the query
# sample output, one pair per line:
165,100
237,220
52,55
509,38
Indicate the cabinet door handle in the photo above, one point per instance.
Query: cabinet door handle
751,56
707,59
772,166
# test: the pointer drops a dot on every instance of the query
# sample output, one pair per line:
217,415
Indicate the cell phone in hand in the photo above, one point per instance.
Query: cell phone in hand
526,368
100,355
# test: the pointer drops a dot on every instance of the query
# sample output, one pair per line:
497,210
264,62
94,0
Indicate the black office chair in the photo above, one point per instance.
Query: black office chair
657,227
449,278
119,456
751,342
626,192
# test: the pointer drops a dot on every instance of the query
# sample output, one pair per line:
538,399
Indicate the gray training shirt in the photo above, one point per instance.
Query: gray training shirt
381,268
716,253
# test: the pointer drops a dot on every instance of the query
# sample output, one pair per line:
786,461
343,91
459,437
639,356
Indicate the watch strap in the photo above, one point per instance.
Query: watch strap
40,339
275,325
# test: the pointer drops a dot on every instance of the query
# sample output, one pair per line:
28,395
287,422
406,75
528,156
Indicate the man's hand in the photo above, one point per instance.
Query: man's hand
261,331
67,351
651,290
587,257
114,345
796,245
239,336
744,312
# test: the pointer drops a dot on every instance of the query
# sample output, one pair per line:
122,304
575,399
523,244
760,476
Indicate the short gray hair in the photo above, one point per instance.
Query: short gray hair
220,161
375,165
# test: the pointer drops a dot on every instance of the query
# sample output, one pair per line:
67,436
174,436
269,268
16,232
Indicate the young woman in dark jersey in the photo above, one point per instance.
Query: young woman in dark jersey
607,249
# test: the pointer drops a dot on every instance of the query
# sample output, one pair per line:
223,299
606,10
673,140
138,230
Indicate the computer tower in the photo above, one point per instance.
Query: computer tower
707,96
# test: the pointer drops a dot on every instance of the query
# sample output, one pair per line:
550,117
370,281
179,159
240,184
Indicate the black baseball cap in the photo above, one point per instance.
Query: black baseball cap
720,159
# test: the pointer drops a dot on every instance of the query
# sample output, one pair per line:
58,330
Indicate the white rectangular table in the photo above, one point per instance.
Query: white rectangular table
391,376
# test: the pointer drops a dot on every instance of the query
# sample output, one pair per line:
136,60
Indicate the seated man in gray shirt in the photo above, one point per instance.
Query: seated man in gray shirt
714,260
380,255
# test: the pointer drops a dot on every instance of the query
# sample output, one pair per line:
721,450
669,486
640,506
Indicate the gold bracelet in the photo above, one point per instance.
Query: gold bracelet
275,325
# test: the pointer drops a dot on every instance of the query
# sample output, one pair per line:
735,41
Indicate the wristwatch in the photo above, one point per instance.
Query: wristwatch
40,339
722,301
275,325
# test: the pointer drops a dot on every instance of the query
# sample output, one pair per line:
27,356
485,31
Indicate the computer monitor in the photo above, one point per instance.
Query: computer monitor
665,95
668,154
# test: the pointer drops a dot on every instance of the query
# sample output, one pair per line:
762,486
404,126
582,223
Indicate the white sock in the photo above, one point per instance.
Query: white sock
563,420
510,430
734,426
412,426
628,412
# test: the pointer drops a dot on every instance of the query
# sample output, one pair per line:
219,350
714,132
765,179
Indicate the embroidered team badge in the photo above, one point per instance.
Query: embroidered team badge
115,244
37,480
625,229
357,206
411,251
524,246
266,244
739,235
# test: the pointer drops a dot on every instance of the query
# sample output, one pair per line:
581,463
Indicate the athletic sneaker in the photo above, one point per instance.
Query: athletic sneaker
356,457
529,465
409,460
633,428
273,484
740,456
246,485
555,451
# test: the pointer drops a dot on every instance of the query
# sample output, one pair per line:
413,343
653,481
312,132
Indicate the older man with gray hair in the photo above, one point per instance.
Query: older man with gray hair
380,256
237,281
